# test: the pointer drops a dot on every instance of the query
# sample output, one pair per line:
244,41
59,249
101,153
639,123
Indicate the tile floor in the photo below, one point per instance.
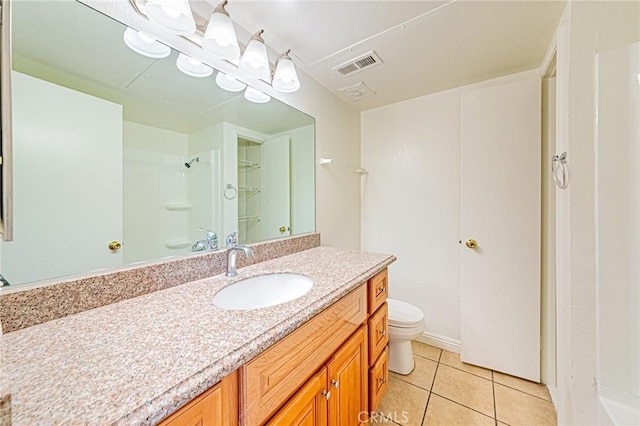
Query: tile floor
442,390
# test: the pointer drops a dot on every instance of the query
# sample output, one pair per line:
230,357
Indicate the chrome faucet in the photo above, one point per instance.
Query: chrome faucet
211,243
232,250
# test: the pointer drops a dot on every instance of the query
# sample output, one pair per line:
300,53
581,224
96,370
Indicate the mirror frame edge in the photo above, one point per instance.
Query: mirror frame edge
6,133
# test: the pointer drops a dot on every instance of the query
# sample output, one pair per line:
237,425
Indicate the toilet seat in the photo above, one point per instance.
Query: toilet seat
404,315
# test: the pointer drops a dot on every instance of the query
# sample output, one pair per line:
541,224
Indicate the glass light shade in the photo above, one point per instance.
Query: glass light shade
145,45
220,37
193,67
229,83
254,60
285,78
256,96
174,15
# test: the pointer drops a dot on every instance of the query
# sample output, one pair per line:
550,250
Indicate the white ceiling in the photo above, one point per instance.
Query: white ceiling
74,46
426,46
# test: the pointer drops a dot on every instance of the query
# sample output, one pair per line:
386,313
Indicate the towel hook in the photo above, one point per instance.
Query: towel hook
559,162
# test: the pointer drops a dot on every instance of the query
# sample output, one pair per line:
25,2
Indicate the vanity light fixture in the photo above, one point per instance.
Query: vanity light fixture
220,37
285,78
174,15
254,60
193,67
145,45
229,83
256,96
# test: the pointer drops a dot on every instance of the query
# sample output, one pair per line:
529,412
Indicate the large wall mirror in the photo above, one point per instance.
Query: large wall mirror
120,158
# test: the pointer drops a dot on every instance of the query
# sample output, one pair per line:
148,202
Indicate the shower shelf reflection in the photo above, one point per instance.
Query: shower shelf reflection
248,219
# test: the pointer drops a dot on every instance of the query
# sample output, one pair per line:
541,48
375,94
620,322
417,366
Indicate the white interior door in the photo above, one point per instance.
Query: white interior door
67,182
276,192
500,279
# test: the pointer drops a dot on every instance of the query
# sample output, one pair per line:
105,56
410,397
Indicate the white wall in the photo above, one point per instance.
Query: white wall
337,134
586,28
411,200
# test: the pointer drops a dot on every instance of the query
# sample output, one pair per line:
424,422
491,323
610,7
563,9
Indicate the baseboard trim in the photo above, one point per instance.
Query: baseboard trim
553,392
442,342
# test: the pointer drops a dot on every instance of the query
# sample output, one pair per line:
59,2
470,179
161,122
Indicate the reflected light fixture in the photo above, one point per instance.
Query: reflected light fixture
145,45
254,60
256,96
174,15
285,78
229,83
193,67
220,37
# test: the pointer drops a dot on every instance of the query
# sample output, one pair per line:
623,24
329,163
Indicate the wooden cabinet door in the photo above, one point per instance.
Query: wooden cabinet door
202,411
308,407
348,382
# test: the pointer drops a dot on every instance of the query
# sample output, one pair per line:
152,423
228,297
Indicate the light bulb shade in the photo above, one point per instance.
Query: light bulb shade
220,37
145,45
174,15
256,96
193,67
254,60
229,83
285,78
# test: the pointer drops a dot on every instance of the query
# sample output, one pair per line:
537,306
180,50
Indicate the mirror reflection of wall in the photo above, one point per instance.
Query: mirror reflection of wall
112,146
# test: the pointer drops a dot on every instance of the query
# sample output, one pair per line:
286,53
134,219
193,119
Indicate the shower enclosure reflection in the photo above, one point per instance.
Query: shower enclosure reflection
114,147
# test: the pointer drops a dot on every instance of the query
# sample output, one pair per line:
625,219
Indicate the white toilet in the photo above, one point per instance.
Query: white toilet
406,322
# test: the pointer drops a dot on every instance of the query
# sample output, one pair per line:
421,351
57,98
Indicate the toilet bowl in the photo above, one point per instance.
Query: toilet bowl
406,322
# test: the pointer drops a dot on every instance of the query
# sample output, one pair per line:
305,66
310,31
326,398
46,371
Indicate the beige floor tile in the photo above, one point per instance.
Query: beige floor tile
464,388
404,403
422,374
531,388
426,351
442,412
453,360
520,409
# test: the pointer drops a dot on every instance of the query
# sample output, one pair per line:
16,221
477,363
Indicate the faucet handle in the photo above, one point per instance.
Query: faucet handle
210,234
232,239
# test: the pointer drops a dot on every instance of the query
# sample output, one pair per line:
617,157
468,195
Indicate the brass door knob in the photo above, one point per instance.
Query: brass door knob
115,245
471,244
282,229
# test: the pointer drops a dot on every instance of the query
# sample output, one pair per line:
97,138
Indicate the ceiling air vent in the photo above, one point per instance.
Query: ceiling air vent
366,61
357,91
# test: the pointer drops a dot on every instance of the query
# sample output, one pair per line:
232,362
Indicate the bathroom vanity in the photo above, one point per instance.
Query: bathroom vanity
173,357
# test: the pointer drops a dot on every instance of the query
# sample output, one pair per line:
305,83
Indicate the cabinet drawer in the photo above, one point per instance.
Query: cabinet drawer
270,378
378,380
378,289
378,332
204,410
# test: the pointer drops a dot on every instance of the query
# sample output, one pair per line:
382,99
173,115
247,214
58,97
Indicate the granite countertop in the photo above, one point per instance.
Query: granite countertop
136,361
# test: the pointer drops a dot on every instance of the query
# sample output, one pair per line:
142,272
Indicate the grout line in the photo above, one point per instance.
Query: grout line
430,359
465,371
524,392
435,373
462,405
493,389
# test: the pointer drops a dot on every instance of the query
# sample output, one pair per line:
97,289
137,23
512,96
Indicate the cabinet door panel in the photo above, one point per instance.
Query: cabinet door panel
348,382
308,407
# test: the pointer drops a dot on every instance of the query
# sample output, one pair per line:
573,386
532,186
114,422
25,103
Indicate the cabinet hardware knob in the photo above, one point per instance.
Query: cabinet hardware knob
326,394
335,383
382,380
282,229
115,245
382,332
471,243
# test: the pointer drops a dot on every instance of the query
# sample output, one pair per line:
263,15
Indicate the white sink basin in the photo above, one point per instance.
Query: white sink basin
262,291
